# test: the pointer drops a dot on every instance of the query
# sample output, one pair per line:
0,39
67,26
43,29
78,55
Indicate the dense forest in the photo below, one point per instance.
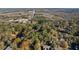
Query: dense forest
40,32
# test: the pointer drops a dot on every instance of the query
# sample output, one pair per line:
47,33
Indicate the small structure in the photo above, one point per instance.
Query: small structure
31,14
46,47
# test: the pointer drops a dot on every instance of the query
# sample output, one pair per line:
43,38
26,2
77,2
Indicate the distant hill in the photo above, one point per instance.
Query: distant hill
66,10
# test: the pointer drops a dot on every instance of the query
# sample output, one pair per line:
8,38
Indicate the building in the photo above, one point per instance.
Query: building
19,20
